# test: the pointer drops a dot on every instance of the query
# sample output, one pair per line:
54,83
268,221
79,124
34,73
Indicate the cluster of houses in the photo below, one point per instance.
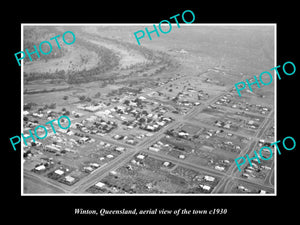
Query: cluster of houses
140,117
92,107
227,100
156,147
247,190
258,169
224,124
62,174
94,125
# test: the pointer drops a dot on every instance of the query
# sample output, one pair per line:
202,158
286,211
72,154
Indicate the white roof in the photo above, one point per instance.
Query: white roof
113,172
221,168
140,156
120,148
153,149
209,178
69,178
41,167
59,172
166,163
95,164
205,187
100,184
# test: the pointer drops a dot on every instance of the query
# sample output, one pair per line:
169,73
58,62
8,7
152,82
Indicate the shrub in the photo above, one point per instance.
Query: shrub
52,106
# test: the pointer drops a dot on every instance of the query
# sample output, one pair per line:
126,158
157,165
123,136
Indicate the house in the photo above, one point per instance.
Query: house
220,168
166,164
209,178
245,175
240,187
59,172
38,115
149,127
25,113
154,149
88,169
96,165
100,184
40,167
140,156
266,167
113,172
70,179
205,187
109,156
250,122
162,123
219,123
181,156
120,149
227,126
183,134
130,141
226,161
262,192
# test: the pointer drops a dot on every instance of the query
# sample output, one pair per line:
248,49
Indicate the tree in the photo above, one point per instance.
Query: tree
52,106
142,120
29,105
97,95
65,97
81,97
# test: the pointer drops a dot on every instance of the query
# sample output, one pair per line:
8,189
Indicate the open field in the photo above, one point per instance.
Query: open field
35,185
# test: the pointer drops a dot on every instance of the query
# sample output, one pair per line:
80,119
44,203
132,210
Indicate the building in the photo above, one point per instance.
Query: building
70,179
220,168
100,184
205,187
52,148
40,167
209,178
140,156
59,172
154,149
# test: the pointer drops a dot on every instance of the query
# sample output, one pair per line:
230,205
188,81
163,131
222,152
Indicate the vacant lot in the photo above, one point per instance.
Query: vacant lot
33,185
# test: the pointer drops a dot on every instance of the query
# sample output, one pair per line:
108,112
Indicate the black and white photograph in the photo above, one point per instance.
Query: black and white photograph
160,118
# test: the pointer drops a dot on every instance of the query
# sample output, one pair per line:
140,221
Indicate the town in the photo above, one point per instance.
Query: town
147,125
